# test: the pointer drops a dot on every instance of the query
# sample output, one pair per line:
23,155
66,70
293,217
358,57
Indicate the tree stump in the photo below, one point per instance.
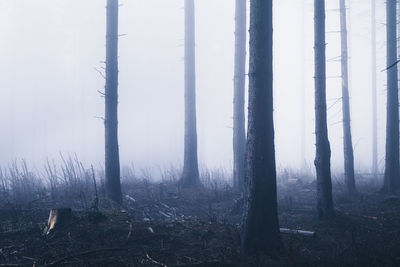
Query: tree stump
58,217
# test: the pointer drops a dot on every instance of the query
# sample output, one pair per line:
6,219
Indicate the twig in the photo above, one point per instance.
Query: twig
130,232
391,66
96,200
101,74
154,261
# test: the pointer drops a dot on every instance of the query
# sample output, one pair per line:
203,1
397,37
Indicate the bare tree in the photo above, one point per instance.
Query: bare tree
112,171
239,132
190,174
374,94
323,151
391,180
347,140
303,89
261,227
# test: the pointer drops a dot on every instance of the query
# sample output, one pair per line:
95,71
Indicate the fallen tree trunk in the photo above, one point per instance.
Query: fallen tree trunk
297,232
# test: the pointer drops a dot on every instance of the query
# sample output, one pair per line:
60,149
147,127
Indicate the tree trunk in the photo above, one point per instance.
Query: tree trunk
323,151
347,140
391,181
398,54
190,174
239,132
374,94
112,171
303,161
261,227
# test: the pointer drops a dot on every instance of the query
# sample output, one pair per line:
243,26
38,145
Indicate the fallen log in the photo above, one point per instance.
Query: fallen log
297,232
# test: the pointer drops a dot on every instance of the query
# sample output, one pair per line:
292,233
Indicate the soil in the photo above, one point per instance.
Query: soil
161,225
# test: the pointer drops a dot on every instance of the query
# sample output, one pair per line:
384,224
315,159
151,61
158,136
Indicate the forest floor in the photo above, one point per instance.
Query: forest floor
160,225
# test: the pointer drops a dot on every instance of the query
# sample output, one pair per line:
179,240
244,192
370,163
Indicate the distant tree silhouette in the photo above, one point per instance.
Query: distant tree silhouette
374,93
112,167
239,132
347,140
190,174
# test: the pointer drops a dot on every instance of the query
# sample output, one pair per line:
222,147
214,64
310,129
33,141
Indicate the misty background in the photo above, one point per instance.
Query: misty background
49,101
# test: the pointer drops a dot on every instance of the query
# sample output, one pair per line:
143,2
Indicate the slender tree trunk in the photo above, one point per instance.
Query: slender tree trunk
374,94
391,181
261,227
303,161
323,151
347,140
112,171
398,54
190,174
239,132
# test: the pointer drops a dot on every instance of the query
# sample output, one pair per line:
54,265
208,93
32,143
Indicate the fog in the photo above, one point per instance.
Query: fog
50,50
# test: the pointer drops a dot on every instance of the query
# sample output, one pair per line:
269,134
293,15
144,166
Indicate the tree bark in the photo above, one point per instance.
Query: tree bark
374,93
323,151
347,139
239,132
391,180
112,167
261,227
190,174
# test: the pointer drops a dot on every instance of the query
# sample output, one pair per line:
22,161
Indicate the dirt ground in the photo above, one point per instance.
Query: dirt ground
161,225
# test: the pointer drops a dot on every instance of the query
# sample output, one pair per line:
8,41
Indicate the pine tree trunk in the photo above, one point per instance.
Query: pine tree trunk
112,170
303,161
323,151
190,174
347,140
398,69
391,180
239,132
261,227
374,94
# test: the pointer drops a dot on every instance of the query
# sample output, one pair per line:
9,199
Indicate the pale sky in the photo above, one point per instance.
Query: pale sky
49,100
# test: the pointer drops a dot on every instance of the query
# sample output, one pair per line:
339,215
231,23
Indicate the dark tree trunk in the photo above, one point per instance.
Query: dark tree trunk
190,174
347,140
391,181
260,227
398,69
374,94
112,171
239,132
323,150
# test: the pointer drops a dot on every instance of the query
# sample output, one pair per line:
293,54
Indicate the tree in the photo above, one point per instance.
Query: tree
323,150
303,160
190,174
391,180
112,171
261,227
239,132
347,140
374,94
